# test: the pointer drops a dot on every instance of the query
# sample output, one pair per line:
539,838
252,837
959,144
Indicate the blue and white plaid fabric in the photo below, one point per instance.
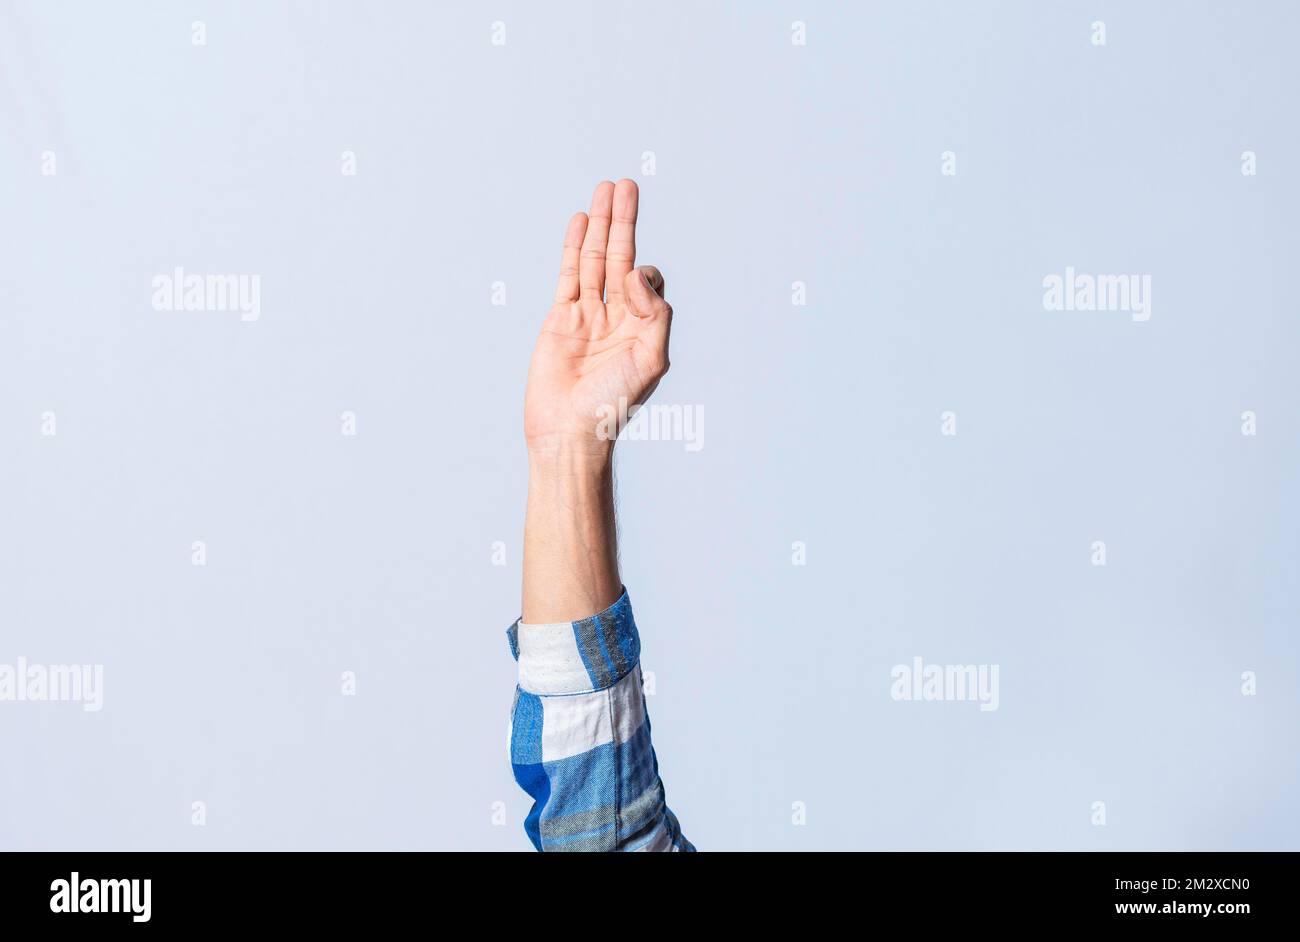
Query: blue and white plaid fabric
580,738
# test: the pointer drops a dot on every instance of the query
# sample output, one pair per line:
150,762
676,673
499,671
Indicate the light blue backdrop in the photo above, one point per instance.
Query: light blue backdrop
774,163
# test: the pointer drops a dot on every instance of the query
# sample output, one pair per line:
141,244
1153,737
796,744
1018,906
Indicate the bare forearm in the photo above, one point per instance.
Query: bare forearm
579,735
570,544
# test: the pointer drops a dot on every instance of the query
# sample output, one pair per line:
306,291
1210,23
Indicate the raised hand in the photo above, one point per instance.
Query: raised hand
605,339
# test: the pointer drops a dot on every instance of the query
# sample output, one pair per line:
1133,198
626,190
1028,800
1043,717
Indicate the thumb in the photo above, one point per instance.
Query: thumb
644,287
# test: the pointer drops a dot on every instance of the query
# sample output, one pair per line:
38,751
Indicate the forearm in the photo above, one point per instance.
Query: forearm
580,738
579,735
570,542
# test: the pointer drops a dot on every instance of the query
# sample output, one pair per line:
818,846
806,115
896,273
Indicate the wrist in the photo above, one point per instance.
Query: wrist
562,456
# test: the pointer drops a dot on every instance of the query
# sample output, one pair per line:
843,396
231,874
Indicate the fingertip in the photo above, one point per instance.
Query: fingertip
625,201
654,279
644,286
602,200
636,288
575,230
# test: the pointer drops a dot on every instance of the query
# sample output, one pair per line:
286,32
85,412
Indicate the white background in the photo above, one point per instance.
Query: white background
774,163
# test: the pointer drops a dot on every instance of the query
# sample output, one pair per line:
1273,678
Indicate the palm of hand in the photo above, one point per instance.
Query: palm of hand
604,344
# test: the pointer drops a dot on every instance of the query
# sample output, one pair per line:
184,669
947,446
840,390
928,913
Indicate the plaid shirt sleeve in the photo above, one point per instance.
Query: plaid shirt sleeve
580,738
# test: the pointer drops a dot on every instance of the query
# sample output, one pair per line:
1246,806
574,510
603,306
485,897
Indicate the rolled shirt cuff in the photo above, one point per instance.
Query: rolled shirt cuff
577,657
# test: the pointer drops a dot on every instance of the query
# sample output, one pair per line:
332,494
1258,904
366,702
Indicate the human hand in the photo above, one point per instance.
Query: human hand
605,339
